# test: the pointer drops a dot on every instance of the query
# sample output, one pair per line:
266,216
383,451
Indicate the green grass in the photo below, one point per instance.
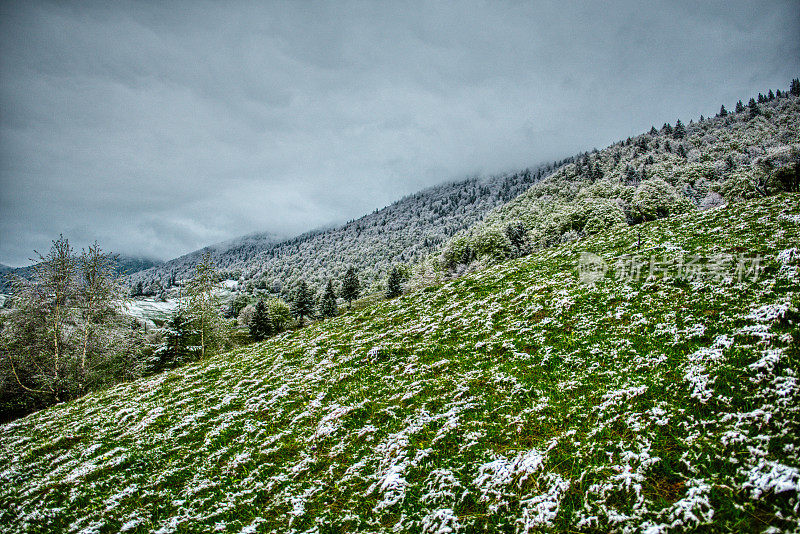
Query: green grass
514,399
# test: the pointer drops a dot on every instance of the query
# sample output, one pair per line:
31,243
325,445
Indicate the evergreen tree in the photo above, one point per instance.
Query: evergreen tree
681,151
789,177
137,289
261,325
653,131
794,88
739,106
770,96
303,303
178,346
350,286
753,108
667,129
723,112
328,304
680,130
393,287
517,235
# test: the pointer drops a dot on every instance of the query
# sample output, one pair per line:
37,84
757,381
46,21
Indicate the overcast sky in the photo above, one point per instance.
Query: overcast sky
157,128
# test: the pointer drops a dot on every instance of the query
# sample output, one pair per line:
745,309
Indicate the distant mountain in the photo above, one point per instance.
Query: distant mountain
131,264
403,232
224,254
126,265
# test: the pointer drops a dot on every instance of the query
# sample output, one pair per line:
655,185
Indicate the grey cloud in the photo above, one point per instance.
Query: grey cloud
160,127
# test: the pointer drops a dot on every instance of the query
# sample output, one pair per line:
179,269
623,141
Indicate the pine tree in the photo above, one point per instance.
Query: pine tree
393,287
680,130
177,348
722,111
303,303
517,235
753,108
794,88
350,286
261,324
653,131
681,151
770,96
739,106
327,307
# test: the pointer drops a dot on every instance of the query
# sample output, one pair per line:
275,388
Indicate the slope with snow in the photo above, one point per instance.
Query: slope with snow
515,399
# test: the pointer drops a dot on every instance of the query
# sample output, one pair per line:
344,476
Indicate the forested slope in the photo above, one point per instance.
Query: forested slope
676,169
400,233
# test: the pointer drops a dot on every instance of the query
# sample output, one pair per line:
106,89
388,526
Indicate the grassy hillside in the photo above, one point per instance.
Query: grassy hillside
514,399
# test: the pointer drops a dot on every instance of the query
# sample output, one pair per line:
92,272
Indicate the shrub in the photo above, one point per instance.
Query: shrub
457,251
655,199
603,214
493,243
280,313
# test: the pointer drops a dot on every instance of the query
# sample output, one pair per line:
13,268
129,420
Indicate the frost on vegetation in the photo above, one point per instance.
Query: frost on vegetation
789,260
774,477
694,509
614,398
769,312
697,372
768,360
497,478
393,486
441,521
540,510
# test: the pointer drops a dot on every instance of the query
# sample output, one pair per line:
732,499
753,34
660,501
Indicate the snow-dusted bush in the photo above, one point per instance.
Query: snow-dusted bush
746,183
603,215
246,315
424,274
458,251
711,200
280,313
655,199
493,243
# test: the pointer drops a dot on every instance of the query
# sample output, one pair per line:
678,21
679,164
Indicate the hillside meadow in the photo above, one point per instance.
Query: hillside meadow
516,399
